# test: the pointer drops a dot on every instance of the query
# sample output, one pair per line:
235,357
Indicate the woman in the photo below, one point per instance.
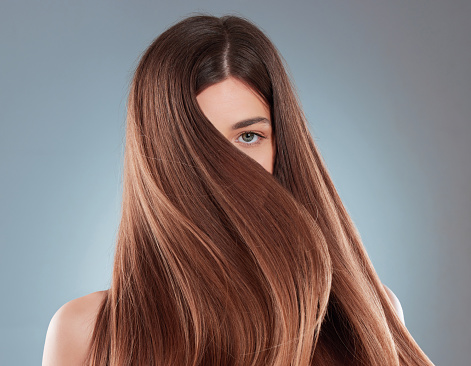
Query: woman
234,247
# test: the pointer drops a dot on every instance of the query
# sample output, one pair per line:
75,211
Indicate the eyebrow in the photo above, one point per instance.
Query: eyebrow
248,122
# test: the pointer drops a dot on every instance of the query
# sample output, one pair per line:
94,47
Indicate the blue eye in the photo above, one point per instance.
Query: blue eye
249,138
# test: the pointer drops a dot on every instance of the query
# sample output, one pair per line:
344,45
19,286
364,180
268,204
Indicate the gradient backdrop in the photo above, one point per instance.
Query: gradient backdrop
385,85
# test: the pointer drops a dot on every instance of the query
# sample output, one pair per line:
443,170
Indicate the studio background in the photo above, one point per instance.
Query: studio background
386,88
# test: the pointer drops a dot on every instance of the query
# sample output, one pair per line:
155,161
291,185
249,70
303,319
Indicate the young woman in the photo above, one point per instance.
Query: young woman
234,247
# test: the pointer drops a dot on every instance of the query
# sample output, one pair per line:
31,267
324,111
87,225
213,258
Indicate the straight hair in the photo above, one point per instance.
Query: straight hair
217,261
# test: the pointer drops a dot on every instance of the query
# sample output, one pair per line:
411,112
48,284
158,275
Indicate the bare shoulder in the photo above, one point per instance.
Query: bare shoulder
395,302
70,329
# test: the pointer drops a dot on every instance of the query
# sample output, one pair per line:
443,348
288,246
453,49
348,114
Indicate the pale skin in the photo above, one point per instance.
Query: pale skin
224,104
231,101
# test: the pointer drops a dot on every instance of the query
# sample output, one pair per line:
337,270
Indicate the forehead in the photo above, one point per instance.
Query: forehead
229,101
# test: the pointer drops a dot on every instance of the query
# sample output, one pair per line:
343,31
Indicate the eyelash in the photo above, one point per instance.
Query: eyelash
250,144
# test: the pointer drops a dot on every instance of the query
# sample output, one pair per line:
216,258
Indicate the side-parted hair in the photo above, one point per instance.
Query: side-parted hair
219,262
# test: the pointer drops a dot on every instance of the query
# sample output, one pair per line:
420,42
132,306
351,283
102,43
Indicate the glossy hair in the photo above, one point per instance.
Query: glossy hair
219,262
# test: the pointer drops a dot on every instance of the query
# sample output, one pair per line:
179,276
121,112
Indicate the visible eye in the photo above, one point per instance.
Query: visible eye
250,138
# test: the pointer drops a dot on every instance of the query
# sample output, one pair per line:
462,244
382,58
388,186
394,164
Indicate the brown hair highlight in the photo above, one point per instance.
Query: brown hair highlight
219,262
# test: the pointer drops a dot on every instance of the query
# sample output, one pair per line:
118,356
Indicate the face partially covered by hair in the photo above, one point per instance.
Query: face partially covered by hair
242,117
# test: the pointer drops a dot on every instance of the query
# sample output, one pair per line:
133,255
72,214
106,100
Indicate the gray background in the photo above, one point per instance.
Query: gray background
385,86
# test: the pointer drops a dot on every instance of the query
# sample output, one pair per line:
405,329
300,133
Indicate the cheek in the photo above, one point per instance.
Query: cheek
265,157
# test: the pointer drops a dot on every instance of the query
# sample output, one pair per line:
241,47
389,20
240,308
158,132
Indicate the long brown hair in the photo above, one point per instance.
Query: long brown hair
219,262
